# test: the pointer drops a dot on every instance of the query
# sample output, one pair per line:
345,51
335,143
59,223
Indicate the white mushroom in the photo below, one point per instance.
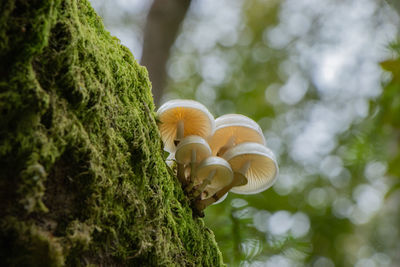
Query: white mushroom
212,172
257,163
220,200
255,170
233,129
191,150
170,159
179,118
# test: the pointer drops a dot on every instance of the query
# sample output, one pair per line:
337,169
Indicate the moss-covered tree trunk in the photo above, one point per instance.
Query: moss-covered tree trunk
82,177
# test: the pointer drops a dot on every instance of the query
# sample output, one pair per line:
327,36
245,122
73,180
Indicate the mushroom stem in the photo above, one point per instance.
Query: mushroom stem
179,136
180,131
192,171
181,167
193,166
238,179
181,174
203,185
245,167
228,144
189,187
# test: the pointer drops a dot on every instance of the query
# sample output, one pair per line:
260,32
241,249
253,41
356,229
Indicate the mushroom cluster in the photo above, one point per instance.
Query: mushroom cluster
215,156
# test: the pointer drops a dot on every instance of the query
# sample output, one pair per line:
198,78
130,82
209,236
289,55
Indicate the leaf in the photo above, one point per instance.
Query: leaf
392,66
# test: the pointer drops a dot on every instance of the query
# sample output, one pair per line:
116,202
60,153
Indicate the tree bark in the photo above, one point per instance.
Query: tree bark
162,26
82,176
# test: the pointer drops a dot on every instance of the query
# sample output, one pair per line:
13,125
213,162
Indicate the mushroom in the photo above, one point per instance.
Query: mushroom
192,149
257,163
233,129
212,172
220,200
179,118
255,170
170,159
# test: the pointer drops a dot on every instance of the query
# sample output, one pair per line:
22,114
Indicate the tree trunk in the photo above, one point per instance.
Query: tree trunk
82,175
163,23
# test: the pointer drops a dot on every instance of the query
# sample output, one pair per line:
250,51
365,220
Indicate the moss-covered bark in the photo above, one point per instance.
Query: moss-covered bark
82,177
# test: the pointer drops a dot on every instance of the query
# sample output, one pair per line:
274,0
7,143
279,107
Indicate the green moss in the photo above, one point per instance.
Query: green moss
82,177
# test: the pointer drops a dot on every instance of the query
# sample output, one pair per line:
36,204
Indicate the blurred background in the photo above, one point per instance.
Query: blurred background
311,74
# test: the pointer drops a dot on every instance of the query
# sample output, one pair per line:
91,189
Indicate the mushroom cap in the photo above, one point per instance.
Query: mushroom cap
240,128
221,199
263,169
196,118
223,173
170,159
183,154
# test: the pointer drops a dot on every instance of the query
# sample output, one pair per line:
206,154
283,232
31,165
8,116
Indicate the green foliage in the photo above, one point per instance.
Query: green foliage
388,114
82,175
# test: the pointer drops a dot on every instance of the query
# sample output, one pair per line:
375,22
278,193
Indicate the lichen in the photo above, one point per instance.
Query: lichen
82,175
